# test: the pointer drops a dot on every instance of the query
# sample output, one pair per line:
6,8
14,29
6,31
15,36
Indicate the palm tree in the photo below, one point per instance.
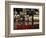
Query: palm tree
32,13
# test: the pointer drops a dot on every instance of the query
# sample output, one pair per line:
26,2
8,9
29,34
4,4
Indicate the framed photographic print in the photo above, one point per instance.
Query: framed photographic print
24,19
